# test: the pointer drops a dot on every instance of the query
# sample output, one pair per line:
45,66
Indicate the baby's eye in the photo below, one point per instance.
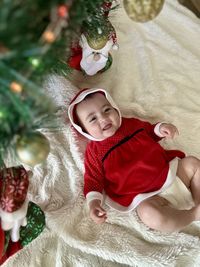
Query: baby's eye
92,119
107,109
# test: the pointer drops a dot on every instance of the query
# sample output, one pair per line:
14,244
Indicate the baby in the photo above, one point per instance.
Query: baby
126,167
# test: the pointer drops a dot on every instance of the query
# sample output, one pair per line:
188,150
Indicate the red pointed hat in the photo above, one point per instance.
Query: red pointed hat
78,98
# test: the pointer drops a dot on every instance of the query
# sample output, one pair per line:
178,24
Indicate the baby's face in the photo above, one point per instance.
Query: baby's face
98,117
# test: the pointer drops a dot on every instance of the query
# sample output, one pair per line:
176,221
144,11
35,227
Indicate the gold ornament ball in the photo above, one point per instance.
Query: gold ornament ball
143,10
32,148
97,42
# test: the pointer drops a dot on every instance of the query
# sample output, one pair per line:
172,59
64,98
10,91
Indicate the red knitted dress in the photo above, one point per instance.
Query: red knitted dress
128,163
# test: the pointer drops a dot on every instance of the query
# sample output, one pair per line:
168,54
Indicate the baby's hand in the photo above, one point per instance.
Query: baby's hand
97,213
168,130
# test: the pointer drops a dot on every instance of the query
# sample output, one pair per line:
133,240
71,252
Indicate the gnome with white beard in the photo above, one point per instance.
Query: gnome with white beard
91,54
95,52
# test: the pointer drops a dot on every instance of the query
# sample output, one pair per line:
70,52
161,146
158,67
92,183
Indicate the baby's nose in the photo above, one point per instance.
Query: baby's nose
103,118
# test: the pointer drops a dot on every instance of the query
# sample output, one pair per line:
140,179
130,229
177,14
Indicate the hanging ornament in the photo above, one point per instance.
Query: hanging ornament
143,10
32,148
16,87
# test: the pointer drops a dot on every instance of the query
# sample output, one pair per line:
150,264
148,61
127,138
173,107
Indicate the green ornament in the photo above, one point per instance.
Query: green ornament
143,10
32,148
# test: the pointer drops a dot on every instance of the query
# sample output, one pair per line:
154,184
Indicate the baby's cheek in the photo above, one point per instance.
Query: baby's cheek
95,132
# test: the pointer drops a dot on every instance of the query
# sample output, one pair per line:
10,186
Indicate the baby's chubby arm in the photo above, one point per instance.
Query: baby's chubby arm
97,213
168,130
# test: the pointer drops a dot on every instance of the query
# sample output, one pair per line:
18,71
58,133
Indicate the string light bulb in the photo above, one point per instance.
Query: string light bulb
63,11
49,36
35,62
16,87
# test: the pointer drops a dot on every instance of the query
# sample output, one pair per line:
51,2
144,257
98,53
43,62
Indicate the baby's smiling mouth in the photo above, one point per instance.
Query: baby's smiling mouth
107,126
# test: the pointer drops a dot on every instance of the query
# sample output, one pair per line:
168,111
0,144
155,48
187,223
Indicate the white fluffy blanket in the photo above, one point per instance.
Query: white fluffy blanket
155,75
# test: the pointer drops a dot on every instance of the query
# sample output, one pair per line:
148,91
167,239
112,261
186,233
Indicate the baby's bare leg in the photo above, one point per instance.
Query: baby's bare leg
156,213
189,172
